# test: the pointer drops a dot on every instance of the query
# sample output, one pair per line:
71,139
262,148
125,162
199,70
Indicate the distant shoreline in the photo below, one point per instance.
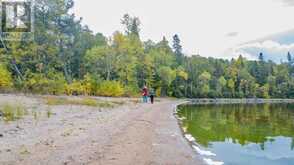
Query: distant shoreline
238,101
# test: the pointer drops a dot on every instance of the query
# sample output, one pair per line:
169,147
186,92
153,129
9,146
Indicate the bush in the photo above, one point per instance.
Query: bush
110,89
88,86
57,84
54,83
5,78
75,88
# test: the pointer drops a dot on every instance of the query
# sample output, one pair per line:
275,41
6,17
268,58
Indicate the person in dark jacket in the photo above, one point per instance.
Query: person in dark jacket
152,95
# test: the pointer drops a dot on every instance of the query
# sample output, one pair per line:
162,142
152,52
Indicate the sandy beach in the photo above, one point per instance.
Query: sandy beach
130,133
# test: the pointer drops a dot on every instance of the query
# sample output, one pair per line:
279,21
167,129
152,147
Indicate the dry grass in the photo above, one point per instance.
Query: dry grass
66,101
82,102
11,112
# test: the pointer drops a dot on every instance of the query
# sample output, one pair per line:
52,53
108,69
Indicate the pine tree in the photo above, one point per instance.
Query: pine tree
289,56
178,49
261,57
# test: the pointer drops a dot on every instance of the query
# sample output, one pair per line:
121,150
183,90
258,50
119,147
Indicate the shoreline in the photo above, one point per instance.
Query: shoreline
204,155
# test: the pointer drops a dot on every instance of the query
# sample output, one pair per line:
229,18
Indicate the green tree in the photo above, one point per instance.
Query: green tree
101,61
222,82
167,76
204,87
132,25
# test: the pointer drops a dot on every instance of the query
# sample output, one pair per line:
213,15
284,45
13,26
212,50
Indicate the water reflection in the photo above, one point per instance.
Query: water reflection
242,134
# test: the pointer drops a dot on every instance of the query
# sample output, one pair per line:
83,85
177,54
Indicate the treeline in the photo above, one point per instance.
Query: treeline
67,58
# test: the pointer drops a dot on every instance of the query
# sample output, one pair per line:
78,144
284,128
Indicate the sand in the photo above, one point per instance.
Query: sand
128,134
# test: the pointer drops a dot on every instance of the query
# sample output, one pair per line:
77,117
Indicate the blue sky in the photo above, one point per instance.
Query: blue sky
222,28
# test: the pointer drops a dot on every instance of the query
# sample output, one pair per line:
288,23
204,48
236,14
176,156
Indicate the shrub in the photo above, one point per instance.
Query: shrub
54,83
110,89
75,88
5,78
57,84
88,86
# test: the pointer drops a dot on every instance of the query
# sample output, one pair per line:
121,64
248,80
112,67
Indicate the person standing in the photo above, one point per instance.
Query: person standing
152,95
145,94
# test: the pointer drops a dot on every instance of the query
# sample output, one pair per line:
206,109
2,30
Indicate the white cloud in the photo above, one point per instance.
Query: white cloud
272,50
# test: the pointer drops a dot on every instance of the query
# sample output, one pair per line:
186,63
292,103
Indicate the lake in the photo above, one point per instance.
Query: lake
243,134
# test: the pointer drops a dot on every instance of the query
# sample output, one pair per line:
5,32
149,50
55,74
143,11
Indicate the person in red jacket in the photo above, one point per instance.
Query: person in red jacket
145,94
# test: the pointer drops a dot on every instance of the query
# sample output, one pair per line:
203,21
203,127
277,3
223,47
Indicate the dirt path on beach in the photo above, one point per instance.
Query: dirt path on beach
129,134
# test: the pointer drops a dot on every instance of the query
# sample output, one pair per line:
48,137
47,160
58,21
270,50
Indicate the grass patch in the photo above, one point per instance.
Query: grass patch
65,101
55,101
88,102
13,112
82,102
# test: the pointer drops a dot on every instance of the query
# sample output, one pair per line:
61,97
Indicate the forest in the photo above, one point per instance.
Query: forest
67,58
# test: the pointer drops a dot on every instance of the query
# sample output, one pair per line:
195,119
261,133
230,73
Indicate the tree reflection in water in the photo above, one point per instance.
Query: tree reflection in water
240,123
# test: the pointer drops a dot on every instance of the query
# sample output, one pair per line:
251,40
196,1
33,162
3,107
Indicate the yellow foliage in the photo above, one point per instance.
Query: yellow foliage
5,78
75,88
158,92
110,88
38,83
183,74
87,85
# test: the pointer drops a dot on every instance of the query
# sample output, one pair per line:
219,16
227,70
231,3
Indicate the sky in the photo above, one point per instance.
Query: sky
211,28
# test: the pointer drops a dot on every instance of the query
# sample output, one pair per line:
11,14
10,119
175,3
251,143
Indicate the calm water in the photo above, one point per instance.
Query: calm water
243,134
